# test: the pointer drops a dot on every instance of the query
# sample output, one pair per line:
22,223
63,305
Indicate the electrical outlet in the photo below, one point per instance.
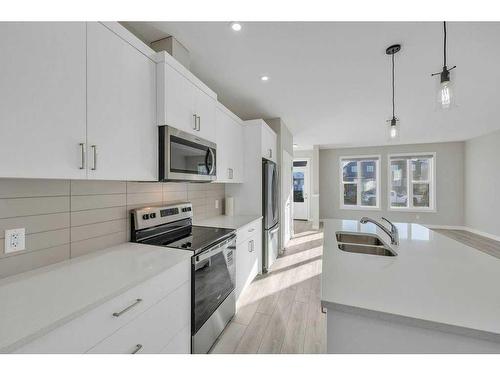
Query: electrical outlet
14,240
216,203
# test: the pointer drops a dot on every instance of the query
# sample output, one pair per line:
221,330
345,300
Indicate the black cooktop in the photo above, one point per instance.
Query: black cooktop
193,238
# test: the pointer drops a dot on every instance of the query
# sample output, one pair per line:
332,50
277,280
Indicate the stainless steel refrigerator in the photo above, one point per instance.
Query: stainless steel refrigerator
270,212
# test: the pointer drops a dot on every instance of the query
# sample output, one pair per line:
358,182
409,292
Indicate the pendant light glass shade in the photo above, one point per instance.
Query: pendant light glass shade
445,91
445,95
393,130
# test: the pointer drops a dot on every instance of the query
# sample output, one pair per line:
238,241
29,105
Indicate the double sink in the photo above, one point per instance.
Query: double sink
363,243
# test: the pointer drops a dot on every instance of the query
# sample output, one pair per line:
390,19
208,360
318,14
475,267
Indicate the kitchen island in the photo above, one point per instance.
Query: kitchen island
435,296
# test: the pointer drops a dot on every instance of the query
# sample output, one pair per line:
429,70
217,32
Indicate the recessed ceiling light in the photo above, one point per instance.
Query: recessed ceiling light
236,26
264,78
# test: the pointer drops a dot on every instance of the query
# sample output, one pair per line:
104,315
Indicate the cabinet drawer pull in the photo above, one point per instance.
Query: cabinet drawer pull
137,349
137,301
82,155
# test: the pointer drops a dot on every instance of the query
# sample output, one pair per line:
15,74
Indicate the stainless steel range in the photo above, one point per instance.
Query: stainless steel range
212,267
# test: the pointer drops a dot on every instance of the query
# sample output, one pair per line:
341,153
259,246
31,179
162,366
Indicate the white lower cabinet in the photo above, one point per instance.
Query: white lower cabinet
248,254
152,314
180,344
148,333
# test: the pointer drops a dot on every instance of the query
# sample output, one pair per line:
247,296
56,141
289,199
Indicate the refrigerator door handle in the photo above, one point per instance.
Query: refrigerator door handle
272,231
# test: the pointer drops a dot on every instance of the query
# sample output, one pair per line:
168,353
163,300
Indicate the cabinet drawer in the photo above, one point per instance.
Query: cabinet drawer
151,331
82,333
254,228
180,344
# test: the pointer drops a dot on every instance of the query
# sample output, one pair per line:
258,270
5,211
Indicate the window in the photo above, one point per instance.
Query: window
360,185
411,182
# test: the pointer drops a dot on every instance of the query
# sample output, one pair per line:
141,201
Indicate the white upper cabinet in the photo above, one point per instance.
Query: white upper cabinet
122,135
183,101
42,99
205,110
269,143
176,101
230,147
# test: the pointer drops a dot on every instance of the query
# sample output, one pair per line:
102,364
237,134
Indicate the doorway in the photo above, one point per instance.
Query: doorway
301,186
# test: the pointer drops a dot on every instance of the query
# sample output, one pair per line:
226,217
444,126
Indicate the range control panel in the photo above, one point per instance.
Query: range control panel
147,217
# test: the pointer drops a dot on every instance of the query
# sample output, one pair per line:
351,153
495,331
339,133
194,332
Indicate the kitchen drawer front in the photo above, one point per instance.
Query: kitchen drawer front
249,230
83,332
151,331
181,343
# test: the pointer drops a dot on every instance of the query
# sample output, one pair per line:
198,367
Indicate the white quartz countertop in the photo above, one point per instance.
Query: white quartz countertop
230,222
434,281
35,302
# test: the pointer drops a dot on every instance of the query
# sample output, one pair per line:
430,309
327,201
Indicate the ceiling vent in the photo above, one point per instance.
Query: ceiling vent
173,47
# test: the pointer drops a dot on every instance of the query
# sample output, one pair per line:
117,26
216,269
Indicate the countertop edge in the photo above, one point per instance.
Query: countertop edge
27,339
416,322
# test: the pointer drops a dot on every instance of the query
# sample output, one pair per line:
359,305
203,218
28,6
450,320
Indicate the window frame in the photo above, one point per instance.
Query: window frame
359,158
432,182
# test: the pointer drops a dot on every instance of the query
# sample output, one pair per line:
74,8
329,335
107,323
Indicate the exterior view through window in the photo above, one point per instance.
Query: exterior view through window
411,182
360,182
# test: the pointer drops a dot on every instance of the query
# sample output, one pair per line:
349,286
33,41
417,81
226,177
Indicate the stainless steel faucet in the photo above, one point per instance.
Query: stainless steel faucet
393,233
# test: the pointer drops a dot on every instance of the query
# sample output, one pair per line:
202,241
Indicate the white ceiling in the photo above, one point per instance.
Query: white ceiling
330,81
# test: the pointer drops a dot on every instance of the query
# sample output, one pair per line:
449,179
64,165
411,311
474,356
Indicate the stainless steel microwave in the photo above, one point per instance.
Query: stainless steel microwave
185,157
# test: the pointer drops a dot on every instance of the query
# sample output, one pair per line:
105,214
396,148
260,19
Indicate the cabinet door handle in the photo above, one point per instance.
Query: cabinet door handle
199,123
270,152
250,246
137,349
230,173
82,155
195,126
94,162
137,301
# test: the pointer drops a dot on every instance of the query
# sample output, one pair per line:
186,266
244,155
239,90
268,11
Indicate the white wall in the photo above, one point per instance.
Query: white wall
449,184
482,183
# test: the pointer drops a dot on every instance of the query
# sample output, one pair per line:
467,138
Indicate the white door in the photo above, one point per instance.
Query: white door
42,99
287,197
301,190
121,109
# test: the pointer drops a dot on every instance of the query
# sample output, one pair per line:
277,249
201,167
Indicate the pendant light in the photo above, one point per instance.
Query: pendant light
393,130
445,95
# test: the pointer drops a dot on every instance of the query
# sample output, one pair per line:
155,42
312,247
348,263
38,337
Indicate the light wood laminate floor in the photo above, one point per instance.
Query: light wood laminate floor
280,312
481,243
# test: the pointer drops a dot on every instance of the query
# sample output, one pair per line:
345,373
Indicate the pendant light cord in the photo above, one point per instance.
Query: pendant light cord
444,44
392,85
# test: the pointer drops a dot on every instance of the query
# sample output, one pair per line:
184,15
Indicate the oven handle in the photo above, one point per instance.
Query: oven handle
215,250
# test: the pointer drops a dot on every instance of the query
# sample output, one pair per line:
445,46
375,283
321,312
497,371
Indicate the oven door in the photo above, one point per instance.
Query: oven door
186,157
213,275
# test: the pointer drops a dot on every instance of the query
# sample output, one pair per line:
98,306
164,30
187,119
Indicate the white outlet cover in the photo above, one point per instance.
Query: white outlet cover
15,240
216,203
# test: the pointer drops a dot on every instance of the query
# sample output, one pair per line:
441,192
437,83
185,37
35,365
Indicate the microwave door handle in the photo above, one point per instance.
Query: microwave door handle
213,161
